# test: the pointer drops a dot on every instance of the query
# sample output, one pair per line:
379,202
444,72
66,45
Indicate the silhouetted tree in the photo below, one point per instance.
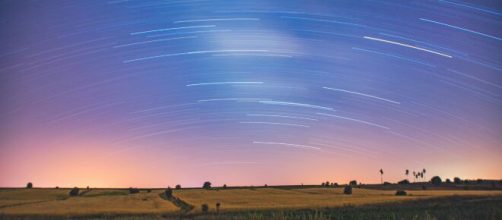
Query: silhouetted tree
204,207
218,207
323,184
407,172
436,180
347,190
74,191
457,180
149,190
224,186
326,184
265,185
423,172
403,182
447,180
386,183
178,186
415,176
479,181
353,182
29,185
381,176
207,185
168,192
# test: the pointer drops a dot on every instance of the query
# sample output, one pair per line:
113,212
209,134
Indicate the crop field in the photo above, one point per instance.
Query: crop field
49,203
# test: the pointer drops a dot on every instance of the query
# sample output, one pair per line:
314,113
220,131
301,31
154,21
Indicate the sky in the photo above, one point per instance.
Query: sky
125,93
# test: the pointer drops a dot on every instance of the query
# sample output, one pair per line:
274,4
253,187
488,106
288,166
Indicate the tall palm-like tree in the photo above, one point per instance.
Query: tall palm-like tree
415,175
407,172
423,171
381,176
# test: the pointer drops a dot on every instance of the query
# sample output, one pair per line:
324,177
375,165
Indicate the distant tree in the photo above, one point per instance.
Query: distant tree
353,182
207,185
457,180
326,184
204,207
168,192
178,186
224,186
265,185
386,183
381,176
149,190
406,172
436,180
479,181
403,182
87,188
74,191
423,172
401,193
29,185
347,190
218,207
133,190
422,175
323,184
334,184
415,176
57,187
447,180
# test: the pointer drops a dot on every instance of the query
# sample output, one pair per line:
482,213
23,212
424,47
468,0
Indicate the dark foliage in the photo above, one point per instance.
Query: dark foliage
218,207
436,180
133,190
29,185
168,193
74,191
457,180
404,182
207,185
149,190
448,180
178,186
224,186
386,183
353,182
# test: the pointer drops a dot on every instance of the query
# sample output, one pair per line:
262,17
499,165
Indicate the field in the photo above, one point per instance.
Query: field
253,203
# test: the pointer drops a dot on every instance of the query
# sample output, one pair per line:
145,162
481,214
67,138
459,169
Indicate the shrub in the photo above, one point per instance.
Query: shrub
436,180
204,207
178,186
353,182
133,190
266,186
207,185
347,190
149,190
334,184
404,182
457,180
479,181
386,183
168,193
57,187
224,186
74,191
401,193
29,185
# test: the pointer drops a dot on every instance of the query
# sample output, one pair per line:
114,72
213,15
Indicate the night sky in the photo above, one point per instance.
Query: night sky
126,93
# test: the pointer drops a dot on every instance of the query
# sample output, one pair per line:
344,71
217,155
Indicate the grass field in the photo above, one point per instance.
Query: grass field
260,202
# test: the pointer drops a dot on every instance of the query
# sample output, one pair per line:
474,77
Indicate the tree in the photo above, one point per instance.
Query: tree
168,192
353,182
207,185
224,186
407,172
401,193
218,207
403,182
436,180
447,180
29,185
133,190
347,190
178,186
381,176
423,172
326,184
457,180
415,175
74,191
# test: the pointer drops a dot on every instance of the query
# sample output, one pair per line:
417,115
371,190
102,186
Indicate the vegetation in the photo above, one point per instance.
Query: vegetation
206,185
404,182
347,190
436,180
74,191
133,190
457,180
178,186
204,207
168,192
353,183
401,193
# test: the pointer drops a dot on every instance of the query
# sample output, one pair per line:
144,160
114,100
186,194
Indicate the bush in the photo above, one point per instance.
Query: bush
401,193
207,185
457,180
204,207
74,191
29,185
334,184
404,182
386,183
149,190
133,190
448,180
168,193
347,190
479,181
436,180
353,182
224,186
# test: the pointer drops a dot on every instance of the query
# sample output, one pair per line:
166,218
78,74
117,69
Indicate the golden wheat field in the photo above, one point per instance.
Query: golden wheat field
57,202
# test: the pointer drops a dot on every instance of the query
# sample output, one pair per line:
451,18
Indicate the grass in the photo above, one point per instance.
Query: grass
247,203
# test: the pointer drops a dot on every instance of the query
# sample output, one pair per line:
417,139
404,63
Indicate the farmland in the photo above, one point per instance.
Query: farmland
243,202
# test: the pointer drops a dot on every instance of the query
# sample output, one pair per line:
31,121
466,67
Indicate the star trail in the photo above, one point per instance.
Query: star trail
156,93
